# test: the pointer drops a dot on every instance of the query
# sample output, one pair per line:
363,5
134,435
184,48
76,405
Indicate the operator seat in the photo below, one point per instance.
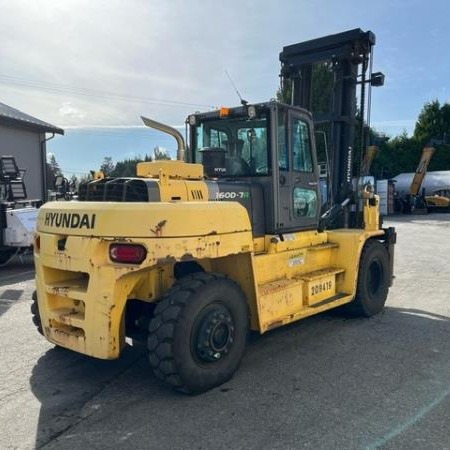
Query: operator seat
236,165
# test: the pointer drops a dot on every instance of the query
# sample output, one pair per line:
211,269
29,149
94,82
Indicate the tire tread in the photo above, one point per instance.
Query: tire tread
356,307
34,308
168,313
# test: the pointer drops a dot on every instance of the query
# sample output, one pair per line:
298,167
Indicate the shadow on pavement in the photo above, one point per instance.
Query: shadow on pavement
8,297
11,276
63,381
16,272
325,382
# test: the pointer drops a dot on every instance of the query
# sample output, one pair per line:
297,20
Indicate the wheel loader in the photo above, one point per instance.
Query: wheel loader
230,237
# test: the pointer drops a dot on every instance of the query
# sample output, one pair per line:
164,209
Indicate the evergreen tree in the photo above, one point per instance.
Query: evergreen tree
433,127
431,122
321,88
54,166
107,166
397,155
160,153
73,183
127,167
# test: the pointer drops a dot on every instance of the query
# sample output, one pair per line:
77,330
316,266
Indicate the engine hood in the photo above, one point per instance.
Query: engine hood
161,219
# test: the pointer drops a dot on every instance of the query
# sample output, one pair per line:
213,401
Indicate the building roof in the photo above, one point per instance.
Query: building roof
14,117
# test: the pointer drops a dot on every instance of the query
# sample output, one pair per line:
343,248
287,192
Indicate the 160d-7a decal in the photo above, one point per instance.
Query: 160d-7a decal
231,195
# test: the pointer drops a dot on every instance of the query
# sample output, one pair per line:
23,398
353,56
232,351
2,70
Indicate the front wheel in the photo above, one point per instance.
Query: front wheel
373,280
198,333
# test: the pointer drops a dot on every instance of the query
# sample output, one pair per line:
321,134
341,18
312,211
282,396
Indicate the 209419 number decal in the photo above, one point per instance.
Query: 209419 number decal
320,287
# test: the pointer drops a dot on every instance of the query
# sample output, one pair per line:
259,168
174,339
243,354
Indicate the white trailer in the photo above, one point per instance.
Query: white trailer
17,231
18,215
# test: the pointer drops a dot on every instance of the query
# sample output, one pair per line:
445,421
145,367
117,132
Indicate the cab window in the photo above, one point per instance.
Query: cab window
283,156
233,147
301,146
305,202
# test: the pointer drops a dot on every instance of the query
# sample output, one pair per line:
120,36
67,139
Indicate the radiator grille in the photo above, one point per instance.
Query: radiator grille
114,190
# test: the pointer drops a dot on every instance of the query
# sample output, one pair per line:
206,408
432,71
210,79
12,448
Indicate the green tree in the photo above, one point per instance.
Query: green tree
430,123
399,154
107,166
160,153
73,183
127,167
284,92
321,88
54,166
433,126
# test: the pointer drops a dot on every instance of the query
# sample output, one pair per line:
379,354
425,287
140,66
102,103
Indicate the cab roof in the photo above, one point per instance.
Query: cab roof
242,111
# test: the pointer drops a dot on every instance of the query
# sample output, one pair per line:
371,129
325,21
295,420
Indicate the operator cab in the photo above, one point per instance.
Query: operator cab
263,156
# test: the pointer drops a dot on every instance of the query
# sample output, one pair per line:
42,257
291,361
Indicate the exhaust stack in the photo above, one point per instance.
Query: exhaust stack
169,130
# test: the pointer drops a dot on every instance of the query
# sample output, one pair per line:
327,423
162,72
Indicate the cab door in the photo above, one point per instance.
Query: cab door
299,181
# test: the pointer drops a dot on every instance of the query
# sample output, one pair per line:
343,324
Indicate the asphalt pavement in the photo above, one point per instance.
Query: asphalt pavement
327,382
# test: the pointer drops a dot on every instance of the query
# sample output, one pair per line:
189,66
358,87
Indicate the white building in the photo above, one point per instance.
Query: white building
24,137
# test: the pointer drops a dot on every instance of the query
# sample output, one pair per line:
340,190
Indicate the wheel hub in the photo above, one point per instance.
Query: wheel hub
215,335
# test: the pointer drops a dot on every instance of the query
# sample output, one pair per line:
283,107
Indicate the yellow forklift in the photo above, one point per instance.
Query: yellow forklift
229,238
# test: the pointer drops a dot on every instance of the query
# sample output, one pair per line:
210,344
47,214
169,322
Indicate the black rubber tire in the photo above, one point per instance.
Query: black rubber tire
35,313
373,281
176,325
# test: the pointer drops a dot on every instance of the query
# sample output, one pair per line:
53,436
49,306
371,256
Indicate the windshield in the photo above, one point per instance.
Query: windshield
233,147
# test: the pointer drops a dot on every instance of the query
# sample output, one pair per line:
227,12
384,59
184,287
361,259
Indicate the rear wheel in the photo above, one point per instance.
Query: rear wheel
373,281
35,313
198,334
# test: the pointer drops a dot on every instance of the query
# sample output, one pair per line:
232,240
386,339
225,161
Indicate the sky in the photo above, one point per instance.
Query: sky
94,67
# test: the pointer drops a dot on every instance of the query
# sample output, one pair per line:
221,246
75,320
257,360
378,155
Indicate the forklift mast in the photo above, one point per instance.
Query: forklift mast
350,56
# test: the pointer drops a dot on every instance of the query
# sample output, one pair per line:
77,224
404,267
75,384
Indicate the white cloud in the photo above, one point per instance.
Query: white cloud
178,51
164,51
67,111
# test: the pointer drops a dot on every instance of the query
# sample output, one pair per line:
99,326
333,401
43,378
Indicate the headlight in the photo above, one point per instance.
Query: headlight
192,120
251,111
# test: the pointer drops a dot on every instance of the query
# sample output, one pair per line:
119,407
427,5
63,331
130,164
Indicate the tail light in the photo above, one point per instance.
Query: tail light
127,253
37,242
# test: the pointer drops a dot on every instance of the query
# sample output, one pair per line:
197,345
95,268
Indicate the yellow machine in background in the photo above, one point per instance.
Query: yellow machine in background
439,201
97,174
414,201
421,171
369,156
193,253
